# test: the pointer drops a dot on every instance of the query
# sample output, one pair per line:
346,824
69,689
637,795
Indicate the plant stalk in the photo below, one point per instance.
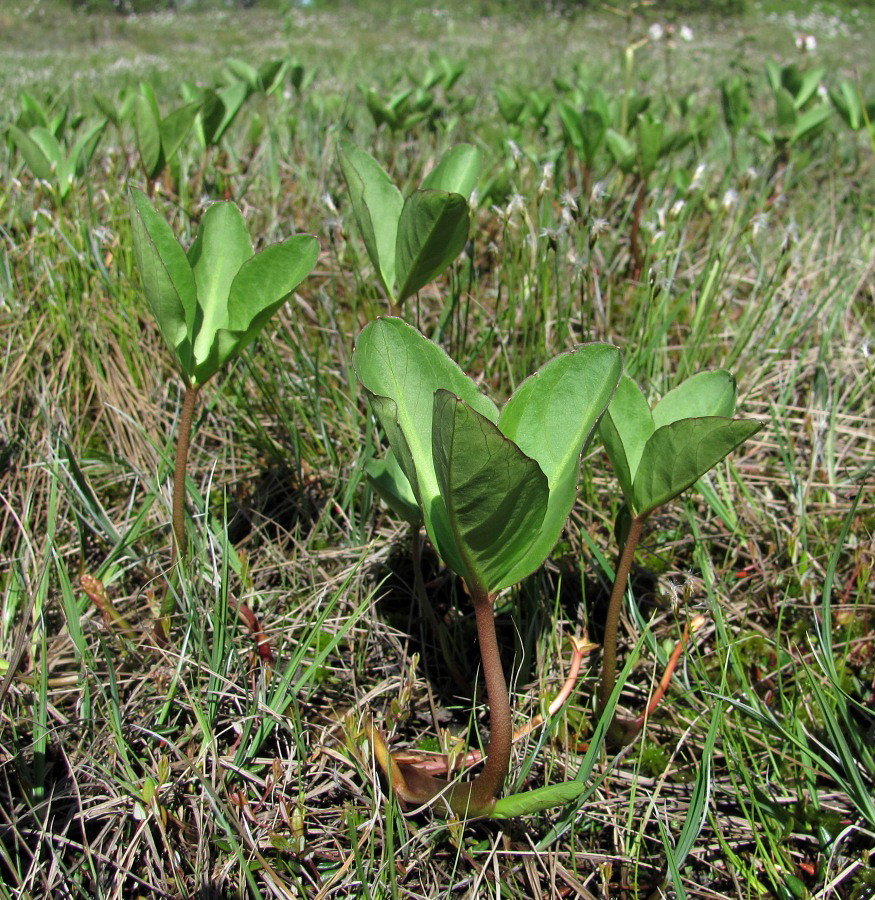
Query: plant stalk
489,782
466,799
186,419
612,622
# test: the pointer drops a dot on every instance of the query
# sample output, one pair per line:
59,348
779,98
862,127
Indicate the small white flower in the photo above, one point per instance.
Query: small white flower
760,223
568,201
655,32
698,175
686,33
329,202
598,193
515,151
552,234
546,179
598,226
676,209
516,204
810,43
730,198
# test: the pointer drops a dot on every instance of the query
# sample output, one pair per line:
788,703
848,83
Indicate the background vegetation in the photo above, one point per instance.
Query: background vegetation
192,768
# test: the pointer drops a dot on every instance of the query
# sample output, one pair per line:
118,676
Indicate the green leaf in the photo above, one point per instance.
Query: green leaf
387,479
622,150
432,231
167,278
175,126
148,131
511,103
849,103
401,370
678,454
232,99
33,113
221,247
495,495
705,394
551,417
83,149
457,171
807,86
625,429
649,132
810,123
243,72
35,157
260,287
735,100
785,110
542,798
376,205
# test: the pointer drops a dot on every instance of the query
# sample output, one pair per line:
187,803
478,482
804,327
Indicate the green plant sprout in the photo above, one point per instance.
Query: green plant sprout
493,490
210,302
159,137
53,115
410,242
799,113
49,160
656,455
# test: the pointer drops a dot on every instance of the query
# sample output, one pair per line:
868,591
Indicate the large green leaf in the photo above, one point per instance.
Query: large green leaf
704,394
260,287
457,171
550,417
625,428
432,231
678,454
495,496
221,247
376,205
401,370
167,278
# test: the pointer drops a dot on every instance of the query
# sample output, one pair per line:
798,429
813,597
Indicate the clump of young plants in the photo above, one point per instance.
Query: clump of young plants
210,302
411,241
657,454
494,489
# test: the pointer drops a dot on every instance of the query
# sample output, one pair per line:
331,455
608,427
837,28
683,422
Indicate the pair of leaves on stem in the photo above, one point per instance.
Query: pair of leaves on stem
48,159
493,489
211,302
410,242
656,454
